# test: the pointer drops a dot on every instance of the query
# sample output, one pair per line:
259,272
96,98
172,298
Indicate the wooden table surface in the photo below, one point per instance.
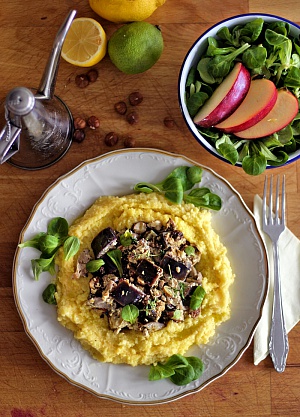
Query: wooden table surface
28,386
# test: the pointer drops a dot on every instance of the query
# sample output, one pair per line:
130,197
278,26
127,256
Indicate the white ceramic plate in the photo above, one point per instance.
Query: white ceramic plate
115,174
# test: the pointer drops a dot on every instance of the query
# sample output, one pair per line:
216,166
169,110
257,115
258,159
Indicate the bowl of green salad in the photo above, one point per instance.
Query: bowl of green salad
239,91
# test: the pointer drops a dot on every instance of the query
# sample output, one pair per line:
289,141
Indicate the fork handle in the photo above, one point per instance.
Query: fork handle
278,344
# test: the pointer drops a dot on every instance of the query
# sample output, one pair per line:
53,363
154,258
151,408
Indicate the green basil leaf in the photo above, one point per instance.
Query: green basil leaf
183,376
94,265
48,244
49,294
40,265
116,256
58,227
189,250
71,247
33,243
160,371
126,238
177,361
130,313
197,298
197,365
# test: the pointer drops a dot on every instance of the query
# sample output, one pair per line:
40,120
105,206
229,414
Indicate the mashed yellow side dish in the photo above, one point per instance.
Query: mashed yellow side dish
130,346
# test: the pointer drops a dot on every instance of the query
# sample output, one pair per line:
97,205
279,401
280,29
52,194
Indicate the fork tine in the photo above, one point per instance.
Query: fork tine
270,217
283,201
277,201
264,207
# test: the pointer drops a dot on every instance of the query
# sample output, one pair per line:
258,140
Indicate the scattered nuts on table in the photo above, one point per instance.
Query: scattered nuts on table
79,123
121,107
132,117
169,122
81,80
78,135
93,122
111,139
92,75
129,142
135,98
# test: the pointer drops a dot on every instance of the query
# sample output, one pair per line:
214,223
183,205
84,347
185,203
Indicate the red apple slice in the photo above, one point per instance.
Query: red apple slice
259,101
284,111
226,98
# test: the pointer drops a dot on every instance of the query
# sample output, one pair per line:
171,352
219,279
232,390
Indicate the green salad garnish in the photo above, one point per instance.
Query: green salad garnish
266,49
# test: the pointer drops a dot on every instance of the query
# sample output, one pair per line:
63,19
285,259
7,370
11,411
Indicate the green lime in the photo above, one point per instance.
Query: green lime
135,47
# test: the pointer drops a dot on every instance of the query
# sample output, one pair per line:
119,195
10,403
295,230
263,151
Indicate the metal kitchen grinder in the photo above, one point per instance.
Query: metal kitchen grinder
39,125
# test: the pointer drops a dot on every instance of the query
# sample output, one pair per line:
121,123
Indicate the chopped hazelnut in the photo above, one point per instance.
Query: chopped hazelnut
79,123
132,117
135,98
129,142
120,107
81,80
111,139
92,75
169,122
93,122
78,135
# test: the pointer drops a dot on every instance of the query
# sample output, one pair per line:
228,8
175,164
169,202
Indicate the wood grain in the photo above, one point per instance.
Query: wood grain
28,386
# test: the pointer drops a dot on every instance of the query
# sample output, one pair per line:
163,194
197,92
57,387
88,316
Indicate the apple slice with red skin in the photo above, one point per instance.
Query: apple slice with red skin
284,111
226,98
259,101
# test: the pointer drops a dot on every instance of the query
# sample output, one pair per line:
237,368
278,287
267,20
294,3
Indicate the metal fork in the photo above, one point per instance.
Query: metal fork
274,224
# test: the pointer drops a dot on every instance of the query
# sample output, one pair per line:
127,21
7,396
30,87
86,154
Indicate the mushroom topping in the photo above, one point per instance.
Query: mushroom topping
149,266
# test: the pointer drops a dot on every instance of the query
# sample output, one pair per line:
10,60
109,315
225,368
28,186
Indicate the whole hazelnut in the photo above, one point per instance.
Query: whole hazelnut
93,122
79,123
78,135
92,75
135,98
120,107
132,117
129,142
169,122
81,80
111,139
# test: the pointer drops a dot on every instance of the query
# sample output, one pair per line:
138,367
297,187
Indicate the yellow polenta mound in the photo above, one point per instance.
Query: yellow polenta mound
131,346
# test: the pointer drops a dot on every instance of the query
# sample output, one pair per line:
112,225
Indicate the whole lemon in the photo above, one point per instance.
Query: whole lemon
135,47
125,10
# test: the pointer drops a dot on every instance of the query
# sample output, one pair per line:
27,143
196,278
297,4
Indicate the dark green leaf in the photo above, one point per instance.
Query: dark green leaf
183,376
160,371
94,265
254,165
58,227
197,365
71,247
130,313
173,190
116,256
196,101
177,361
40,265
48,244
49,294
229,152
126,238
33,243
197,298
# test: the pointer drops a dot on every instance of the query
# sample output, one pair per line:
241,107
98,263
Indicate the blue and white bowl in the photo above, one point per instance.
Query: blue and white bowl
192,58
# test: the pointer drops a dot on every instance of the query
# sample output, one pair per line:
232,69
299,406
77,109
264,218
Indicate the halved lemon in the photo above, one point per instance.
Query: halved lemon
85,44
